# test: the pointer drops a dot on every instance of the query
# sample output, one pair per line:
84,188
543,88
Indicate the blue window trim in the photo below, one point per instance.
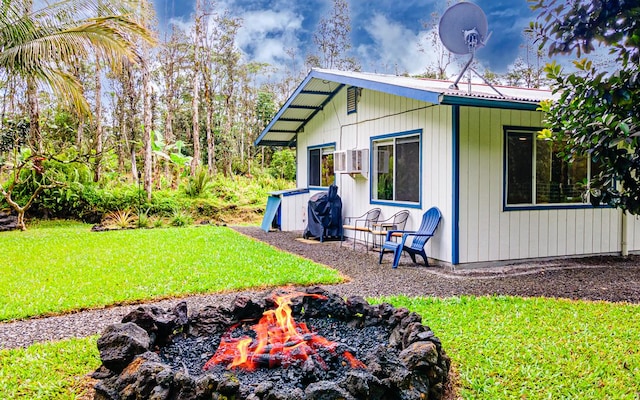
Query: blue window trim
406,204
314,147
528,207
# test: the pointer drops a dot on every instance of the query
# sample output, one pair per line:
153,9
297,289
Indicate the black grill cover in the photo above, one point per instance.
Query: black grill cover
325,215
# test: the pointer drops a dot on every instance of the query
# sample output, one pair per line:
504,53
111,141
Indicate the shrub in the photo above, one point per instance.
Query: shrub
198,184
181,217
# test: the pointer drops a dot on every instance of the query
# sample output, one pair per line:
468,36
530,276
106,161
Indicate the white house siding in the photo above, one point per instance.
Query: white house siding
380,114
487,233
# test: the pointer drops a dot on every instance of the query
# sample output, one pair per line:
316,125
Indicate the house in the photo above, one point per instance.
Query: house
406,143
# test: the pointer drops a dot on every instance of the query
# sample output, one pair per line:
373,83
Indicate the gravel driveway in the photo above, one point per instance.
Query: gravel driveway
612,279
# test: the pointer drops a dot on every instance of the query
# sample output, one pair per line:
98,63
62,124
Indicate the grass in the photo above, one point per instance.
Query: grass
536,348
501,347
53,370
56,268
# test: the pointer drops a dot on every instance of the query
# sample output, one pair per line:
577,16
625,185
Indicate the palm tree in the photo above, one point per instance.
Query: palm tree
39,44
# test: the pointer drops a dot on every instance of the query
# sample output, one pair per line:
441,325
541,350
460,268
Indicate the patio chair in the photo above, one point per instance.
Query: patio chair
363,223
395,222
430,221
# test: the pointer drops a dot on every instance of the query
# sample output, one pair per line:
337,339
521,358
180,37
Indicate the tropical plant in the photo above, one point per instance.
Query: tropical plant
283,164
143,219
181,217
40,44
121,218
198,183
597,113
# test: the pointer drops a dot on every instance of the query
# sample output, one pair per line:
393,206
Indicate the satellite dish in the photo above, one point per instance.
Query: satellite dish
463,28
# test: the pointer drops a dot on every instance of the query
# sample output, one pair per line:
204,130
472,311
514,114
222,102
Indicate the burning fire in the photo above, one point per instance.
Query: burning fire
279,341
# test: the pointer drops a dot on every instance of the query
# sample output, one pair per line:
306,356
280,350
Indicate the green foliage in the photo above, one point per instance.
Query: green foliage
143,220
180,218
197,185
536,348
122,219
203,196
84,269
52,370
283,164
14,135
598,111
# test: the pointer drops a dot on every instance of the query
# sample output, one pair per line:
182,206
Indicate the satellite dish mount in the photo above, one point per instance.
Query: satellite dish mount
463,29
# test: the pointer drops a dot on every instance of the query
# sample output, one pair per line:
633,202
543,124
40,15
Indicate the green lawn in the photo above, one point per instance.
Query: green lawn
53,370
535,348
64,267
501,347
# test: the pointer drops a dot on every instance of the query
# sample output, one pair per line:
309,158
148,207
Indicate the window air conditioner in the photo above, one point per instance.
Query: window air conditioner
351,162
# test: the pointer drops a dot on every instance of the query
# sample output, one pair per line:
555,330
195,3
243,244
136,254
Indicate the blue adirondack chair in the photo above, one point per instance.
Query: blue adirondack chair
430,221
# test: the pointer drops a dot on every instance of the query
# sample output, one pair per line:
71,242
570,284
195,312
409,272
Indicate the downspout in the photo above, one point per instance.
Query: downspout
624,246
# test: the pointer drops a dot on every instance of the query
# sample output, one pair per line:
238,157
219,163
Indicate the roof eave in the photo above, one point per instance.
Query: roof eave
453,100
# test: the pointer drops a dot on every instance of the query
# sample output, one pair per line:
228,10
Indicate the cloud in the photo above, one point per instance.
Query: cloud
266,34
394,48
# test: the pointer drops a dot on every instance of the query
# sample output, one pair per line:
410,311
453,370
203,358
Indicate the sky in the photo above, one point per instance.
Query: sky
386,34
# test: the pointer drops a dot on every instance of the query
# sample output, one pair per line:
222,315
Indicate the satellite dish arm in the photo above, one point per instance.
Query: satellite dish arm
455,84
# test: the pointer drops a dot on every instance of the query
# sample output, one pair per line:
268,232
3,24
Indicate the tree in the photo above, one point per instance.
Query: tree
598,111
527,69
333,41
195,128
442,57
38,44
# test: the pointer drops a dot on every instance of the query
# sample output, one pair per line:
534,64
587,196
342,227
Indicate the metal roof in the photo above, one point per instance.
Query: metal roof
321,85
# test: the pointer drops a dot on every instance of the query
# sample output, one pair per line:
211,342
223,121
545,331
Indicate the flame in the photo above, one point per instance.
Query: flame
279,341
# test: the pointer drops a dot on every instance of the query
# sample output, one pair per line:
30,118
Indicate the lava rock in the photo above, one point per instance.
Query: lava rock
120,343
357,305
363,385
396,357
158,323
210,320
146,377
325,390
8,222
420,355
244,307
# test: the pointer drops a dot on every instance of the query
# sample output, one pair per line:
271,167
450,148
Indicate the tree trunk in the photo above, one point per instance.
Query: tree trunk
211,162
35,135
97,172
134,166
195,162
146,135
80,133
21,225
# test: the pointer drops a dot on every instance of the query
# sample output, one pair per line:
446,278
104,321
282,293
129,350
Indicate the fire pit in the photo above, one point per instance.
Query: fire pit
310,344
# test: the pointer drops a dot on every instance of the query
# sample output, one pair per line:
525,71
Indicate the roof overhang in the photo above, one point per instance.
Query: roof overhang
321,86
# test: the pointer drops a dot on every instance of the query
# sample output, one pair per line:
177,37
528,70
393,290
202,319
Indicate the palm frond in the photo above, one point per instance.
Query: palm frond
43,43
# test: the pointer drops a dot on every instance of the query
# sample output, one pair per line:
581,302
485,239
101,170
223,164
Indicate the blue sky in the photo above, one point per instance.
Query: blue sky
385,33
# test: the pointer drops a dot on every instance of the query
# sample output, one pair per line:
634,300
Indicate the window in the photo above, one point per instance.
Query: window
321,165
396,167
536,174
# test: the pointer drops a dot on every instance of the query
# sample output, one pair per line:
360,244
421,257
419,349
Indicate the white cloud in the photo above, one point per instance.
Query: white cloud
395,48
266,34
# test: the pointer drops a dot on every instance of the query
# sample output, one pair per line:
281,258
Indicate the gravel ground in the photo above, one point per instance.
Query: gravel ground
612,279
